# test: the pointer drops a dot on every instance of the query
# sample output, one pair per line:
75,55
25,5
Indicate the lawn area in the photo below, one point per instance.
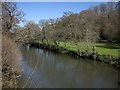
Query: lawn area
102,48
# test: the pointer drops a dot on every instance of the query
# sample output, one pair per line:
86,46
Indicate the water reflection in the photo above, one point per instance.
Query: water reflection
57,70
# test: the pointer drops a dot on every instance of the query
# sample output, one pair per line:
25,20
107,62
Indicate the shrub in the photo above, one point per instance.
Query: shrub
11,61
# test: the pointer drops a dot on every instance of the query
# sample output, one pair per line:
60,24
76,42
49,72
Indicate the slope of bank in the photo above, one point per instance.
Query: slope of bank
11,60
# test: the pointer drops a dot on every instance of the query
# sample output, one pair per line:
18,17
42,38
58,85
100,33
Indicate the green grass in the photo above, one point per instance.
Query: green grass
102,48
107,49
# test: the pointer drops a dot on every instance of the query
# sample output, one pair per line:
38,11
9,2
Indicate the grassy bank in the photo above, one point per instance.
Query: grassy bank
106,53
102,48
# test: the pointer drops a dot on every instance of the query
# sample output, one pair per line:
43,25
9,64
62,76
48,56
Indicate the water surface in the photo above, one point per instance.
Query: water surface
45,69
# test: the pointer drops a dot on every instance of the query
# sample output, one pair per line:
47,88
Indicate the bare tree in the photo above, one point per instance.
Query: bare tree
11,15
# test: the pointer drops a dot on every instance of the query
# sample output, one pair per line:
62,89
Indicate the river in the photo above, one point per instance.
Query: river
45,69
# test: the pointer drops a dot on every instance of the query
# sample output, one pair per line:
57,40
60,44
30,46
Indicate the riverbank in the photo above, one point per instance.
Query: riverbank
109,59
11,62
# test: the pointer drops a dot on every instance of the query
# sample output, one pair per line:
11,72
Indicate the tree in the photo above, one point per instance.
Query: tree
28,33
11,15
44,25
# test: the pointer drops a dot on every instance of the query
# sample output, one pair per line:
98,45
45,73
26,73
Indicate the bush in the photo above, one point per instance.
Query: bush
11,60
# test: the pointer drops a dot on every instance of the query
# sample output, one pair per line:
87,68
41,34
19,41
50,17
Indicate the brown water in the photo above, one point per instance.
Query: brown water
45,69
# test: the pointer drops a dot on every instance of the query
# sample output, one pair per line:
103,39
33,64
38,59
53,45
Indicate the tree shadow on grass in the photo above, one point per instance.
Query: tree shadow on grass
109,46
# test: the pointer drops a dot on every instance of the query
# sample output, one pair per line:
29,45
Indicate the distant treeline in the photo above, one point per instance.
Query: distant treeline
98,23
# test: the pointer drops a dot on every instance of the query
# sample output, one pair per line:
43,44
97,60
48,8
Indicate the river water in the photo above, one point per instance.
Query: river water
45,69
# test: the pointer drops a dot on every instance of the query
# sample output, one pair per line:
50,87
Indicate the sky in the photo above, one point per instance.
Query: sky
36,11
